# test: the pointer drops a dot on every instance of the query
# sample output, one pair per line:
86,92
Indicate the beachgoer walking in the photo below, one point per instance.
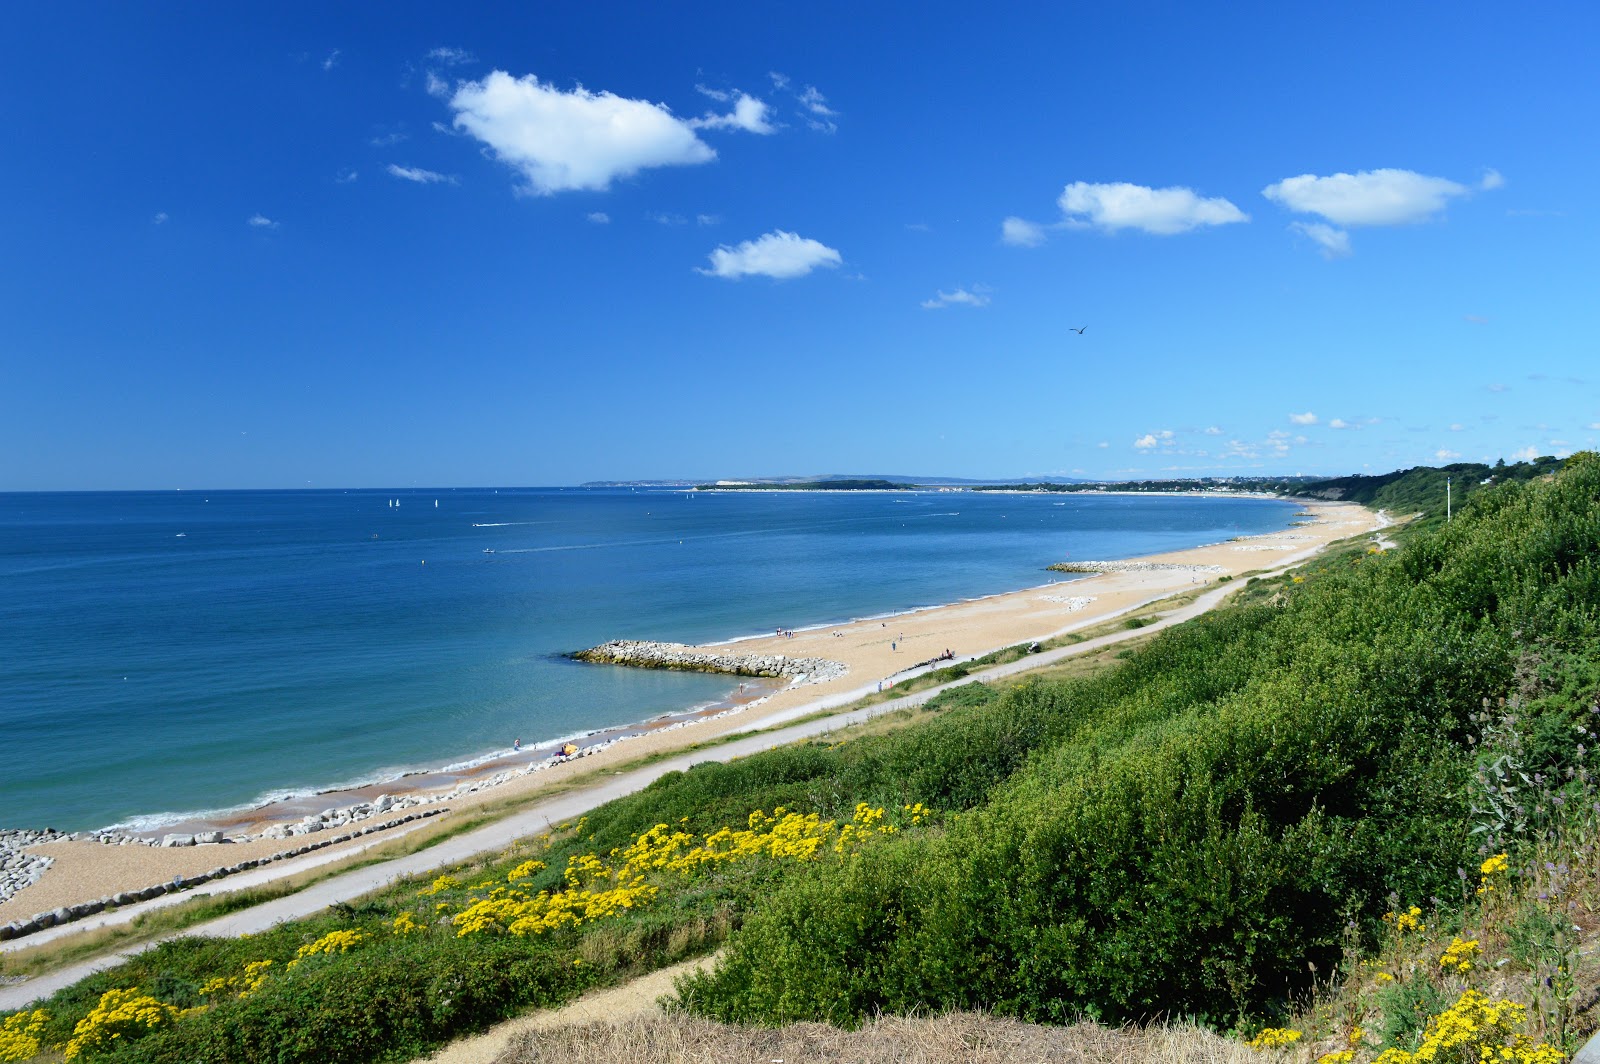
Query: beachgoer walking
516,744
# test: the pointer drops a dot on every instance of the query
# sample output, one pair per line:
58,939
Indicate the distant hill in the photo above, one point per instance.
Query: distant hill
1421,489
830,481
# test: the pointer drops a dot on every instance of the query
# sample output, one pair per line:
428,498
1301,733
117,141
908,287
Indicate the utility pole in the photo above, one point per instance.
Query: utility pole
1447,500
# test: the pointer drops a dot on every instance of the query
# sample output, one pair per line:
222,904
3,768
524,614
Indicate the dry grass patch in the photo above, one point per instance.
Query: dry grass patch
954,1038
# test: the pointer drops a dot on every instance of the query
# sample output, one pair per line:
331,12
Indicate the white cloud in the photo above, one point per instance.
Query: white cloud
667,218
1371,197
1444,454
779,81
708,219
1308,418
450,56
419,175
1491,180
260,221
748,114
1277,434
345,177
599,217
1021,233
1527,454
960,297
331,61
1213,430
1594,426
560,141
817,103
1338,423
1499,387
1153,439
1458,427
1334,243
776,254
1103,444
160,218
1161,211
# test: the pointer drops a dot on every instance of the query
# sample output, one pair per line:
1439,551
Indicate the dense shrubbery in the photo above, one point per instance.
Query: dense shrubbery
1244,787
1181,833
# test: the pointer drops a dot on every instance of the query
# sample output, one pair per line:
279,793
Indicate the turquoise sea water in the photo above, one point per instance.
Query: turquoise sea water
163,653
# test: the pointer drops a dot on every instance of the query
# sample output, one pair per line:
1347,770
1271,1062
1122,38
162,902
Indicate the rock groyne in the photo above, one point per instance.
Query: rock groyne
646,655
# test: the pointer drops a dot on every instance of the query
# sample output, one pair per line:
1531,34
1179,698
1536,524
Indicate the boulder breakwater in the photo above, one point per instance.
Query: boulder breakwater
646,655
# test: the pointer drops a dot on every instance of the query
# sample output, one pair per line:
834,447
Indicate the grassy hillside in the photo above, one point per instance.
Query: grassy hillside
1185,833
1422,488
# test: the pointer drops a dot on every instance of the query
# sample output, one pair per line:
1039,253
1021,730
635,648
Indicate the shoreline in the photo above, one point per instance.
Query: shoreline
876,656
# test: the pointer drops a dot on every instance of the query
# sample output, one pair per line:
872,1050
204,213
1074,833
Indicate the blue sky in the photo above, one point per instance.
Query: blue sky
362,244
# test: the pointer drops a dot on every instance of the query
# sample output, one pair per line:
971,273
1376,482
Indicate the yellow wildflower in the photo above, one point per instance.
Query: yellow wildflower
19,1035
1275,1038
119,1016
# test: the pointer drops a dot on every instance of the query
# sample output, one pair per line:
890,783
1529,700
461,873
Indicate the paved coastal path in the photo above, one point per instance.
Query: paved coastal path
539,817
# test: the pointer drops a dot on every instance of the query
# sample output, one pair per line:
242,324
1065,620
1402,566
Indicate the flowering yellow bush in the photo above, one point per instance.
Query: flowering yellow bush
1488,870
255,973
442,884
1476,1030
406,924
19,1035
1410,920
121,1015
1342,1056
596,887
332,942
1275,1038
1460,955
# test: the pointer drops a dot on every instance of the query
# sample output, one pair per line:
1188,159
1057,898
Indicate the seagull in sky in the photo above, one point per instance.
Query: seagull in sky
1078,331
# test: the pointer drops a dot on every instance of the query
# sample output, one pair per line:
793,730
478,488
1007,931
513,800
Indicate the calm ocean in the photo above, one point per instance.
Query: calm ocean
182,651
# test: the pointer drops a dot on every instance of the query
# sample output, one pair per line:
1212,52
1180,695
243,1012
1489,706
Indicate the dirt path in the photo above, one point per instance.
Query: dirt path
617,1003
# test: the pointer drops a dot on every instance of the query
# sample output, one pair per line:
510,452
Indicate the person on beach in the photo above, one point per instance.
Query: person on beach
516,744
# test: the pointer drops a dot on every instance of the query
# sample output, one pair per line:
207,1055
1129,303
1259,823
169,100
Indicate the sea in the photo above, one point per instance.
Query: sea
168,654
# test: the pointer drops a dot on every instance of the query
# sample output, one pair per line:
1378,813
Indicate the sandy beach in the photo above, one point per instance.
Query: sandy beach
877,651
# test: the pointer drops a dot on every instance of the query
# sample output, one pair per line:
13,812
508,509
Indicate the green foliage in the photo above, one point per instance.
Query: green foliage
1187,832
1422,488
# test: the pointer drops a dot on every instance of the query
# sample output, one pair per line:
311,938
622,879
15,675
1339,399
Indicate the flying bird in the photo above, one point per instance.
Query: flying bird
1078,331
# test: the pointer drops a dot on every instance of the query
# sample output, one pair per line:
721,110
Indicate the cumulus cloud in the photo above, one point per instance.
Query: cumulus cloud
419,176
1527,454
560,141
748,114
160,218
599,217
1444,454
1213,430
708,219
1371,197
331,61
960,297
1308,418
1151,440
1021,233
1491,180
1338,423
1161,211
345,177
1333,243
1458,427
260,221
776,254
